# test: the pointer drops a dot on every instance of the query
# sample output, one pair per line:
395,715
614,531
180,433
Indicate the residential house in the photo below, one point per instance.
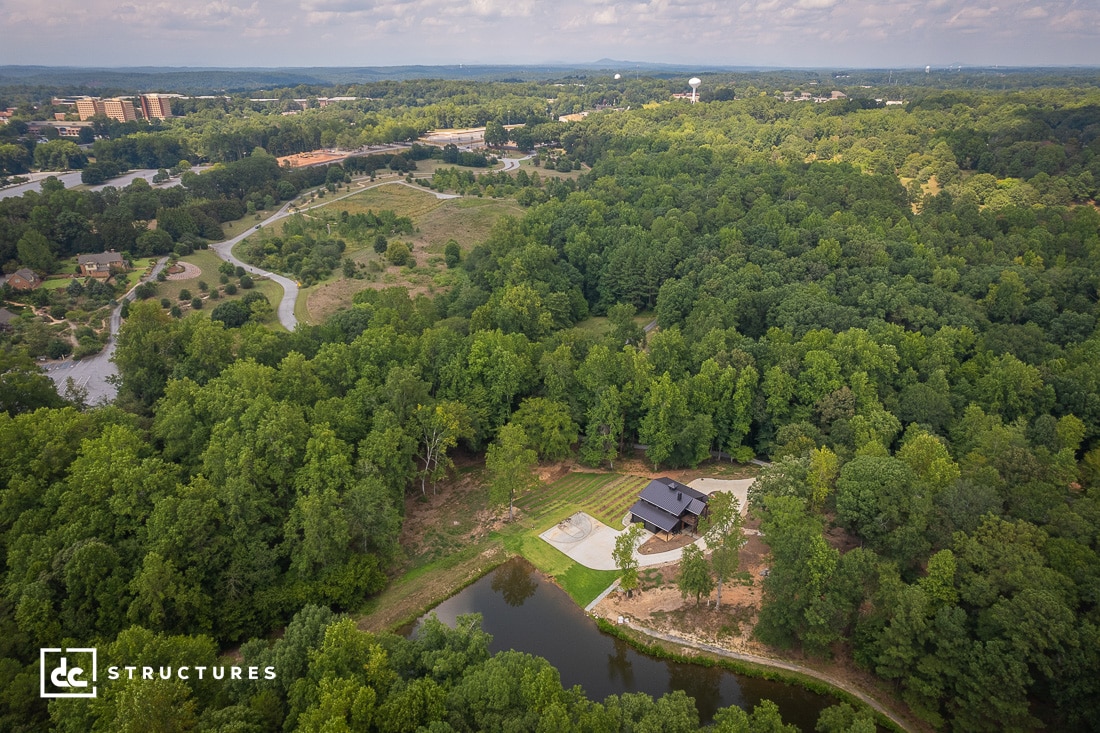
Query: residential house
6,317
666,505
102,265
24,279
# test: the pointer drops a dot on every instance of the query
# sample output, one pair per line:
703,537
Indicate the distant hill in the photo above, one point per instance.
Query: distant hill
200,80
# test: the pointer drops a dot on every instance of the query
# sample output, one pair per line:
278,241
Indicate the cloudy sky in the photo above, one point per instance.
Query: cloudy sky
830,33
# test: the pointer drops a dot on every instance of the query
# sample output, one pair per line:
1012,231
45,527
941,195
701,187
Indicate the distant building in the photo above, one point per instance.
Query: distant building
121,110
101,265
24,279
64,129
156,106
89,107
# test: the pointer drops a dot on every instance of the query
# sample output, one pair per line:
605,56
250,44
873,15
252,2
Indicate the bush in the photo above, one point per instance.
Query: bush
223,278
398,253
145,291
452,254
230,289
58,349
196,304
58,311
233,314
176,312
214,294
246,282
203,287
238,271
165,303
185,294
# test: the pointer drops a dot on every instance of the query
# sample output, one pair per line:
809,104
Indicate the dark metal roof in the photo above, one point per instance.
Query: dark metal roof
696,507
673,497
102,258
657,517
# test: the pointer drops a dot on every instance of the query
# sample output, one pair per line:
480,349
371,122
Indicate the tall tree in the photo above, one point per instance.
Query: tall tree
724,533
623,555
694,578
510,461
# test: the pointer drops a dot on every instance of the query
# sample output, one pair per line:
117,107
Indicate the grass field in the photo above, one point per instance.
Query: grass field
208,262
605,496
468,221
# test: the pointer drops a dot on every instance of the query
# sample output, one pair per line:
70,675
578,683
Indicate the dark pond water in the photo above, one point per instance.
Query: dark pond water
527,613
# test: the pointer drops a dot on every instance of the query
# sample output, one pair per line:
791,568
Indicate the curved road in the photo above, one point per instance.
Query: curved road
94,373
285,309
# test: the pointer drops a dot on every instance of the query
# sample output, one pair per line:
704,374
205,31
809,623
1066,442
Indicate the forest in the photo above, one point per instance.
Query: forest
896,306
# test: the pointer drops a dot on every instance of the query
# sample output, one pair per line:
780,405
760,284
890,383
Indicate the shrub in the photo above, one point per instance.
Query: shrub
230,289
185,294
203,287
246,282
397,253
196,303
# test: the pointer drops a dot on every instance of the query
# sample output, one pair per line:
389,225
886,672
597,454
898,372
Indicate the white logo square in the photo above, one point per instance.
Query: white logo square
67,672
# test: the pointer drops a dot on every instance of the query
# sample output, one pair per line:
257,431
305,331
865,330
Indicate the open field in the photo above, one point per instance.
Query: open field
605,496
468,221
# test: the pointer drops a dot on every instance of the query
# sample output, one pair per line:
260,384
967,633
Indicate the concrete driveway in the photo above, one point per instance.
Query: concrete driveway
590,542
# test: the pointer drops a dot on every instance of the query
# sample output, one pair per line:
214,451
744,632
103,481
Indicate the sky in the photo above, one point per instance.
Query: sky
783,33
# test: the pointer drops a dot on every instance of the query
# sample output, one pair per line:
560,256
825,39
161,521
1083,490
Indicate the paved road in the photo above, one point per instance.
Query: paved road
285,309
94,373
71,180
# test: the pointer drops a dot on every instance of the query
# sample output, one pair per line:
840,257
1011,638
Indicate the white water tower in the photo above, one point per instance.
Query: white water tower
694,83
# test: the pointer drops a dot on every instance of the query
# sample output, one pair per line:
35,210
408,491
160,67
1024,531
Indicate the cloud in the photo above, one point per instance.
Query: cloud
335,32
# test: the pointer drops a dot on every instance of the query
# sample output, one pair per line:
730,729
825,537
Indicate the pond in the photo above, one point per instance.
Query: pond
525,612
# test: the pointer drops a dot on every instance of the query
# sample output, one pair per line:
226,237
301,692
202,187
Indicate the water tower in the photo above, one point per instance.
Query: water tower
694,83
618,76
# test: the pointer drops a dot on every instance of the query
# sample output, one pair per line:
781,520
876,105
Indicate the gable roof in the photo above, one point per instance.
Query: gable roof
102,258
27,274
674,497
658,517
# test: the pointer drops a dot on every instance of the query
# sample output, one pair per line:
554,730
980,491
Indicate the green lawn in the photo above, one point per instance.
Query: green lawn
207,261
605,496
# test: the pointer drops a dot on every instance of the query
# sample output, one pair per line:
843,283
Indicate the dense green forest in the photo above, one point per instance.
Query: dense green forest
897,306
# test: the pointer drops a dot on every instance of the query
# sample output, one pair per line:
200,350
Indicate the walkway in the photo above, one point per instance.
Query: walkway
778,664
94,373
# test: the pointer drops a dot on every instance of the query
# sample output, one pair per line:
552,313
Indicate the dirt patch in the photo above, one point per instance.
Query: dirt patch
314,157
659,605
183,271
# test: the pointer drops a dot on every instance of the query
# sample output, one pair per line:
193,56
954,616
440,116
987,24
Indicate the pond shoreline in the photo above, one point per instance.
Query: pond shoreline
683,650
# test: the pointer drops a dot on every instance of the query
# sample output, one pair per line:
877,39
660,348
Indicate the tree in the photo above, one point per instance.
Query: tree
398,253
605,428
824,467
495,134
623,555
722,528
694,575
549,427
439,427
452,254
510,461
35,252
